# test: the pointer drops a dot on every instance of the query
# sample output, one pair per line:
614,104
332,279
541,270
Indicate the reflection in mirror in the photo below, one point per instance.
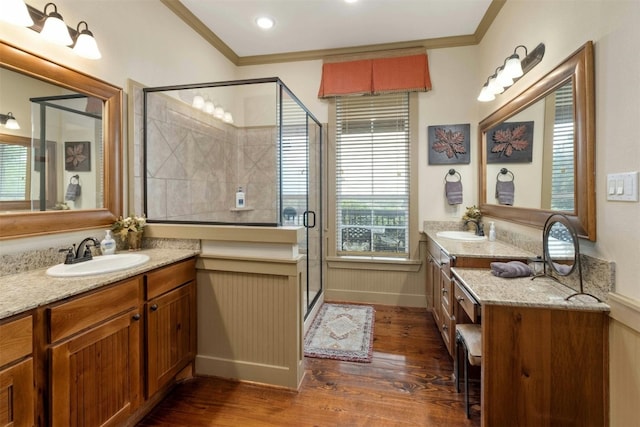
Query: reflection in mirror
547,181
562,251
546,138
70,125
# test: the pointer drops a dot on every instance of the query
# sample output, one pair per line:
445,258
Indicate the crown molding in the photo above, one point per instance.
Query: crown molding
436,43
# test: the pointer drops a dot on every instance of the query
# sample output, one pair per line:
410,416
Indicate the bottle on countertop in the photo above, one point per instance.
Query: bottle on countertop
108,245
492,232
240,201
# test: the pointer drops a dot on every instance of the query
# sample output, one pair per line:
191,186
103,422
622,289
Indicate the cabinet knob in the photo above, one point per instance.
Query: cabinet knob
154,307
136,316
460,299
444,291
444,327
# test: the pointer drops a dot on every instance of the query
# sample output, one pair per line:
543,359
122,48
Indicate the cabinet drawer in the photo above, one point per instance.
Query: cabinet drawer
82,312
445,291
466,301
167,278
447,329
16,339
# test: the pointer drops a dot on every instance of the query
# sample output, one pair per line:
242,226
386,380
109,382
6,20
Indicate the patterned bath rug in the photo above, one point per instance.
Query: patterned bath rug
341,332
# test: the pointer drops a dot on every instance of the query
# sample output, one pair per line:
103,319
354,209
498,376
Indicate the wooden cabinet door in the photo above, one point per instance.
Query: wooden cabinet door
171,335
95,376
17,395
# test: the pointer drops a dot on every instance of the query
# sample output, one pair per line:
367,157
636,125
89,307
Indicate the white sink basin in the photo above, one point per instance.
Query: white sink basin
465,236
99,265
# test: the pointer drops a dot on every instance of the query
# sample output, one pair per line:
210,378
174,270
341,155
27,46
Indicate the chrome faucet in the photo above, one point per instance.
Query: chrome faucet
479,226
81,253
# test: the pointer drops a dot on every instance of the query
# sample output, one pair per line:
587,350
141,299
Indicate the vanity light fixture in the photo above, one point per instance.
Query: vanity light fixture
208,107
510,71
8,121
218,112
265,22
51,26
54,28
227,118
86,45
15,12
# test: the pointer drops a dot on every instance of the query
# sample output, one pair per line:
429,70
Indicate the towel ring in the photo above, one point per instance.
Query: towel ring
75,179
505,171
452,172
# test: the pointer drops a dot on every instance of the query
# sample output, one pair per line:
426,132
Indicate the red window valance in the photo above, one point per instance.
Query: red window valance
375,76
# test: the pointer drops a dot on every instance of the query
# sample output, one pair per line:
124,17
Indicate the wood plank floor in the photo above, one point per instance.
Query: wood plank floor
408,383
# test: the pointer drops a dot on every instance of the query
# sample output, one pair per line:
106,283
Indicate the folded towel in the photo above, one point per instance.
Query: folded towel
453,190
562,268
510,269
73,192
504,192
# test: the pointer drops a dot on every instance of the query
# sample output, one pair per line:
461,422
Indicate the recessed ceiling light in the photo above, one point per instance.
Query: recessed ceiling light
265,22
350,1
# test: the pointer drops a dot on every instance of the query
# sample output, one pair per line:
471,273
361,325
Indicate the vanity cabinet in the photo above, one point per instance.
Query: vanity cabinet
111,354
17,393
171,322
439,275
94,357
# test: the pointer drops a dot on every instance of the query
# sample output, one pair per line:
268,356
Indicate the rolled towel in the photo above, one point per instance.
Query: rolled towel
453,191
510,269
504,192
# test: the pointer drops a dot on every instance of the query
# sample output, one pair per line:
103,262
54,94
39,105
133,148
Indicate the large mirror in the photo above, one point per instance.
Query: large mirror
71,127
543,141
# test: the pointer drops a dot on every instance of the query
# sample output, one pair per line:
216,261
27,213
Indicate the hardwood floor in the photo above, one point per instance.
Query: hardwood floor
408,383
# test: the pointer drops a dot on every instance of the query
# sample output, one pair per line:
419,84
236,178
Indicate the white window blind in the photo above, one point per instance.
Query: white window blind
372,175
13,172
563,170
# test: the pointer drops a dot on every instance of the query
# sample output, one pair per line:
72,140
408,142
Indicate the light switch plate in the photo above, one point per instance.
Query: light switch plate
622,187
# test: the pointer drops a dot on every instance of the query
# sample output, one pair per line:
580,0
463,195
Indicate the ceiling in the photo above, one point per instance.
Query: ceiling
310,29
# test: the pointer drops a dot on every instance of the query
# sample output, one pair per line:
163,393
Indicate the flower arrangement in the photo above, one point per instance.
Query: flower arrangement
472,212
123,226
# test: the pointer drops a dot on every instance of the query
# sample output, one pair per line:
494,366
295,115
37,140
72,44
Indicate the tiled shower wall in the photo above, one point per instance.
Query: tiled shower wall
196,164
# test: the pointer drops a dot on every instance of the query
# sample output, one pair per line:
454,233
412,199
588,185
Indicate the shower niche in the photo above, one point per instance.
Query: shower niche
203,143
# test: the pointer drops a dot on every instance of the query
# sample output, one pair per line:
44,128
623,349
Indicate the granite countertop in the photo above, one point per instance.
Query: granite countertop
25,291
544,292
481,249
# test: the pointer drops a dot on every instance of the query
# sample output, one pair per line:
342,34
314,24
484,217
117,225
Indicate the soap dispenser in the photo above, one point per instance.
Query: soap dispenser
492,232
108,245
240,198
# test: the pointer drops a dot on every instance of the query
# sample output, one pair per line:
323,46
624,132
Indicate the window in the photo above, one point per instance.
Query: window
563,171
13,172
372,175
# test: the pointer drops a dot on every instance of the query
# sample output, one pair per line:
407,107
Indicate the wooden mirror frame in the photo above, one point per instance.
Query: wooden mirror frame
24,224
579,67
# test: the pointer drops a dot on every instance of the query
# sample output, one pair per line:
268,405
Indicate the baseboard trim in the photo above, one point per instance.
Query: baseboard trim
249,371
402,300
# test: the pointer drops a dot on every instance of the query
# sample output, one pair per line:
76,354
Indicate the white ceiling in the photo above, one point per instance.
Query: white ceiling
309,25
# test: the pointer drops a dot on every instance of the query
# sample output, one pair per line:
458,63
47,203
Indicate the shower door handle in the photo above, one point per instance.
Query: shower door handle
305,219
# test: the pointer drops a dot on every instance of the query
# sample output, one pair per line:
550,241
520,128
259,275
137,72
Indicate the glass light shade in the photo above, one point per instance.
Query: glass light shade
227,118
504,79
11,122
15,12
86,46
208,107
55,30
486,95
218,113
494,86
513,67
198,102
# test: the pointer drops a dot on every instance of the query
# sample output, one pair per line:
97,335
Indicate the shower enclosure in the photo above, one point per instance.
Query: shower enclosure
204,143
